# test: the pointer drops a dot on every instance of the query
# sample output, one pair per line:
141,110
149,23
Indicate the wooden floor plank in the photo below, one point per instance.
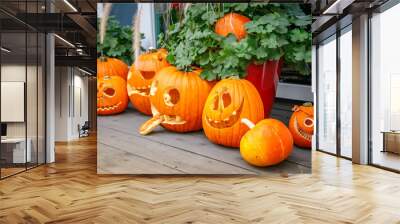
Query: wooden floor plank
70,191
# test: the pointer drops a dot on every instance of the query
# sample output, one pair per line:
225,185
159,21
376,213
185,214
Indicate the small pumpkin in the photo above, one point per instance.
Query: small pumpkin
112,97
267,143
232,23
228,102
177,99
111,66
301,125
141,75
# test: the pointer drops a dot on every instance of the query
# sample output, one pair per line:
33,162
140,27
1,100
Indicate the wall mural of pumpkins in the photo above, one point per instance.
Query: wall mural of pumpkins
216,71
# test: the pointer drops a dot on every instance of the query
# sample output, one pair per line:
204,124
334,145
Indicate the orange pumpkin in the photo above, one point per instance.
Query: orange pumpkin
267,143
301,125
228,102
112,97
232,23
141,75
111,67
177,100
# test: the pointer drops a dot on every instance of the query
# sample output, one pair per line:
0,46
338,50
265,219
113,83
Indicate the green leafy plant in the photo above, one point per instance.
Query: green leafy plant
276,31
117,41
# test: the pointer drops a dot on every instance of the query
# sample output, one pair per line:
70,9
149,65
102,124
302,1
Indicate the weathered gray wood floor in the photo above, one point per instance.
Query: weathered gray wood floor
122,150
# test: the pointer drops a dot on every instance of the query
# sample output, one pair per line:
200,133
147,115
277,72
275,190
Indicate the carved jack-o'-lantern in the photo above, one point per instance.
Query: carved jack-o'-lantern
112,97
141,75
228,102
177,100
111,66
301,125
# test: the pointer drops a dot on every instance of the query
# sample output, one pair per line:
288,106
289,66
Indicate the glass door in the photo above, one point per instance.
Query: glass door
385,90
345,94
326,90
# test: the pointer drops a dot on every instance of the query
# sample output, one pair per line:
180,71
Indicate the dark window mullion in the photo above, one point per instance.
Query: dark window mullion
26,87
338,94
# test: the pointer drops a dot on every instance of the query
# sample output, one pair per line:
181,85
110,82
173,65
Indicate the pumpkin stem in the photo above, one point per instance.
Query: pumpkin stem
307,104
103,58
248,123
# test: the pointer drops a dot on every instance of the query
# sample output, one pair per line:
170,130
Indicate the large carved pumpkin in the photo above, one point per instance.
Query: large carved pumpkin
141,75
112,97
111,66
232,23
228,102
267,143
177,99
301,125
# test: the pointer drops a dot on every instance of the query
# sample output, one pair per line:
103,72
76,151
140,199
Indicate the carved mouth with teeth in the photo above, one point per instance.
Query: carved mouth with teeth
227,122
167,119
109,108
142,91
301,132
158,119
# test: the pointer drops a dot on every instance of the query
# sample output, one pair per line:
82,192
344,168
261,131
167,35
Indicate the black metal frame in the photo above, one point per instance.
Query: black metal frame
44,80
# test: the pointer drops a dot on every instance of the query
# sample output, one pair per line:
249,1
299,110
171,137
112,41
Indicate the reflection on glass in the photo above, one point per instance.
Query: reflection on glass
327,96
346,93
385,84
14,153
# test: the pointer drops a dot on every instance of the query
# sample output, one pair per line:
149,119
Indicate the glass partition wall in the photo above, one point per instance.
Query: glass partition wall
334,91
326,61
22,77
385,90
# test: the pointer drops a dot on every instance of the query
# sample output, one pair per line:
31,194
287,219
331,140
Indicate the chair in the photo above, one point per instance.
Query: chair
84,130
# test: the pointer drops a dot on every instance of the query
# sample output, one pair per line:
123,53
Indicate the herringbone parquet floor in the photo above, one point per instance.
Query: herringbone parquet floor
69,191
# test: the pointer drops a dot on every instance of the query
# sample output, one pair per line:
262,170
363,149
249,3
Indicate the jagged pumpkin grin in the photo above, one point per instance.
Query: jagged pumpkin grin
141,90
167,119
227,122
109,107
308,122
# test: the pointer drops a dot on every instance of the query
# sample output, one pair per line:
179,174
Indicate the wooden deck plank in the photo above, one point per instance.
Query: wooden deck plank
183,161
195,143
111,160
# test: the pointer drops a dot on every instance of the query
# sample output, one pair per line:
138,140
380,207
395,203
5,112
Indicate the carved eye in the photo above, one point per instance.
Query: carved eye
110,92
216,102
171,97
308,122
226,99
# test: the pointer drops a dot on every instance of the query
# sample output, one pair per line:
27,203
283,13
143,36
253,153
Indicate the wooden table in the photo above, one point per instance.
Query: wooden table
391,141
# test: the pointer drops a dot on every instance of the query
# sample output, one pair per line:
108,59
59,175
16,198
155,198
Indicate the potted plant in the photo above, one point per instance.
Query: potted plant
244,40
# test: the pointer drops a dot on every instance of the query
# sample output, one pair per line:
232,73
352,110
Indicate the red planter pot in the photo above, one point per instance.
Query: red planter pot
265,78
